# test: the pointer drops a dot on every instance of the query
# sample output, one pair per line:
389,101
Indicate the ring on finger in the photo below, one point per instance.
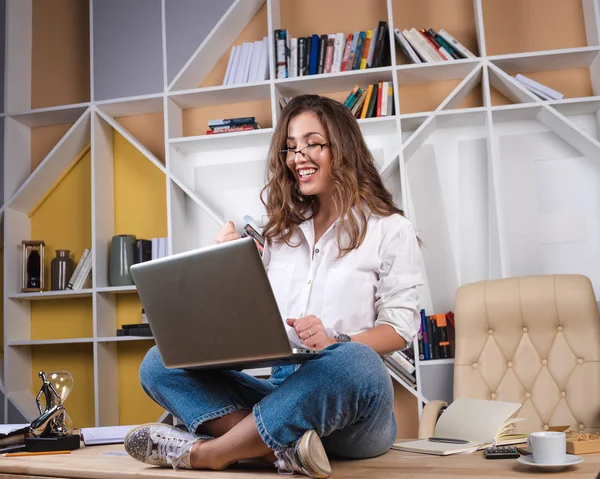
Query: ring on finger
309,333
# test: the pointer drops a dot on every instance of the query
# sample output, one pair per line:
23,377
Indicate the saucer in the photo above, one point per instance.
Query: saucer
570,461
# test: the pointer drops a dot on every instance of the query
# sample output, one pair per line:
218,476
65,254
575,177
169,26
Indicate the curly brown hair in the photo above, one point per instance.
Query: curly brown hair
356,181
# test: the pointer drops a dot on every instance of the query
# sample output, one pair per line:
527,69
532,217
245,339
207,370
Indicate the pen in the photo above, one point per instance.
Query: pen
448,440
40,453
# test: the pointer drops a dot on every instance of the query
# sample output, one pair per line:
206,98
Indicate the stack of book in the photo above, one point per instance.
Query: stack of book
248,63
427,45
403,364
436,336
228,125
373,101
330,53
538,89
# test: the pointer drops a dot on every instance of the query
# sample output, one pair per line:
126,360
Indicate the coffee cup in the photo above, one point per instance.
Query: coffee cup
548,447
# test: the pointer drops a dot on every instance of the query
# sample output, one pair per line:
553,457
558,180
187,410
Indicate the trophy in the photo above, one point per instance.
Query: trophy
53,429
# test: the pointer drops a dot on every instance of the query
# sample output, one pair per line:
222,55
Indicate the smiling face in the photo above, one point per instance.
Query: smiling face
311,169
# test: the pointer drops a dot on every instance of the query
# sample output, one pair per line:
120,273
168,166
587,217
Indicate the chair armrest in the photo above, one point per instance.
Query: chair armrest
429,418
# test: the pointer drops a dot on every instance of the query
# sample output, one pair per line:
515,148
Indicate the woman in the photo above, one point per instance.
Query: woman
344,265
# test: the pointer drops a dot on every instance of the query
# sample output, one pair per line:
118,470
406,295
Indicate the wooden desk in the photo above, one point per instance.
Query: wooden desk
111,462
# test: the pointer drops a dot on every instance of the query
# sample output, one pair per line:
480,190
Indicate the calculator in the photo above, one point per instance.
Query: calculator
501,452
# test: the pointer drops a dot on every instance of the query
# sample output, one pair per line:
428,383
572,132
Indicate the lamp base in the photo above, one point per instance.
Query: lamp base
59,443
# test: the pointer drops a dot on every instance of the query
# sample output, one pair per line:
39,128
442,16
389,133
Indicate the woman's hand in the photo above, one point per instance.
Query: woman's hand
311,331
227,233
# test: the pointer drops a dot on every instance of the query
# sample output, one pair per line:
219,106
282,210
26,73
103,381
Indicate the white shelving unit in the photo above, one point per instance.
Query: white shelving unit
507,186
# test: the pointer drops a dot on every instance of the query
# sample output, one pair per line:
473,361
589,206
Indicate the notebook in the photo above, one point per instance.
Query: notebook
478,421
104,435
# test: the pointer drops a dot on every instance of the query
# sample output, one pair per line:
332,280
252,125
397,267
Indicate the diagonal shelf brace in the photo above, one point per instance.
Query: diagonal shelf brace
196,199
462,89
570,133
216,44
509,86
416,140
53,166
131,139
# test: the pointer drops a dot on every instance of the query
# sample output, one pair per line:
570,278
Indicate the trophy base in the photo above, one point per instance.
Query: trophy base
59,443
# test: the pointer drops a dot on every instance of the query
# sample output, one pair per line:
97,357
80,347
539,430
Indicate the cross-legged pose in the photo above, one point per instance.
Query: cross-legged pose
344,265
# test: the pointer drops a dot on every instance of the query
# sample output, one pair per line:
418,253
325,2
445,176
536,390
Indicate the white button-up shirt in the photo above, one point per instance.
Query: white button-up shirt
372,285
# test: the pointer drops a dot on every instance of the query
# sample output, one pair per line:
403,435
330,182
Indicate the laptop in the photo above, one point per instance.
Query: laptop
213,308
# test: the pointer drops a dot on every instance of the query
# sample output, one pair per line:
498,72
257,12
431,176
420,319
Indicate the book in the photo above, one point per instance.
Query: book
95,436
75,274
459,47
13,434
406,48
538,87
479,421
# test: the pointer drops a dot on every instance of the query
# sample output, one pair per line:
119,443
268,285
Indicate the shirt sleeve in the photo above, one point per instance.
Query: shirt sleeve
397,299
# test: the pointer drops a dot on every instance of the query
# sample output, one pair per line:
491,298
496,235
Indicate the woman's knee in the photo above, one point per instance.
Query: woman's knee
151,368
360,365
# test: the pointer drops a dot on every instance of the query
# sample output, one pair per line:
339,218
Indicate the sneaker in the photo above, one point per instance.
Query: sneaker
161,445
307,456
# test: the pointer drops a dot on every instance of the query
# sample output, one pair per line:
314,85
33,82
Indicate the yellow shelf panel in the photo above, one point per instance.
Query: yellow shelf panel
2,302
61,318
78,359
140,210
63,221
135,406
140,193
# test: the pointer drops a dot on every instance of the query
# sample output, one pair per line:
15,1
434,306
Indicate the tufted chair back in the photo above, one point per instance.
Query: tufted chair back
534,340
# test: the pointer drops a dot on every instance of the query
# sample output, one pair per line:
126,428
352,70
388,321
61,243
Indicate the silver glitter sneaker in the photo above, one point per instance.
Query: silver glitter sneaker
307,456
161,445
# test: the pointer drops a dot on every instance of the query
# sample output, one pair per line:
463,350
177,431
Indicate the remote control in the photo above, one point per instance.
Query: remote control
501,452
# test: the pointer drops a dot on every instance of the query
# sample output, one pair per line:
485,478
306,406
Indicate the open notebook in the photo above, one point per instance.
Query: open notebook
478,421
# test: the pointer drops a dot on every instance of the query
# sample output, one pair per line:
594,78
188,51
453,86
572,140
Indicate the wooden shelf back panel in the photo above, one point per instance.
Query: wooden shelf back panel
515,26
573,83
303,18
457,17
195,120
60,62
78,359
149,130
135,407
43,139
256,29
498,99
428,96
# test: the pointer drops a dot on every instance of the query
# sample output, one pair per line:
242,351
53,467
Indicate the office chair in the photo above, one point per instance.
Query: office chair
534,340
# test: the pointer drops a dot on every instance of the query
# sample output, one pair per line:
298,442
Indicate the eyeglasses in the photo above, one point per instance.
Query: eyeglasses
308,152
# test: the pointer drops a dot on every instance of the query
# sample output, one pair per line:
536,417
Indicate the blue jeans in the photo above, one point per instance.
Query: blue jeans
345,394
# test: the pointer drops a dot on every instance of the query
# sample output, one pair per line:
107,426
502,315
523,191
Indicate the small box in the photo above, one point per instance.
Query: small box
583,444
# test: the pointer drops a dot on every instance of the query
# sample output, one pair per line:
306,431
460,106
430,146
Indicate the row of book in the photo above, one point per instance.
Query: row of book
228,125
374,101
428,46
146,250
248,63
436,336
403,364
330,53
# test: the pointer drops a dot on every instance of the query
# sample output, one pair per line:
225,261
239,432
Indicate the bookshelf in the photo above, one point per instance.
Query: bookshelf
497,182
